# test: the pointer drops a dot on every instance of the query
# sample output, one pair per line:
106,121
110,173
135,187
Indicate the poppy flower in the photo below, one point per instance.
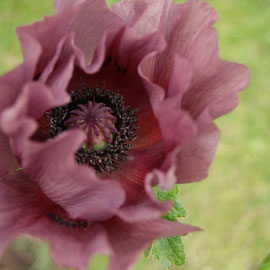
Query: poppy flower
107,103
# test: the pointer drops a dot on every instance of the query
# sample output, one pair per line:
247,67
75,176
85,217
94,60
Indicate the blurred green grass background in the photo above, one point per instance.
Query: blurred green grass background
233,203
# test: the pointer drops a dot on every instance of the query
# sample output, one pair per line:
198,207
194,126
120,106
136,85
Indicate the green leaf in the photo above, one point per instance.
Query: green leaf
169,251
265,264
177,209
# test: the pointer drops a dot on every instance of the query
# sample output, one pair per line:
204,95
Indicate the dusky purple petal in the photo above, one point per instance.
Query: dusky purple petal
150,208
27,214
133,171
58,82
129,239
180,25
164,60
21,205
31,50
48,46
47,71
17,120
95,18
71,248
215,81
49,34
194,159
119,43
10,87
75,188
168,111
44,162
151,18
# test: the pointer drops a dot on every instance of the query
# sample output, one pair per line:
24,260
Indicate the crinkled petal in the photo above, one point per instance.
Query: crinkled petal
216,82
118,73
48,50
21,205
187,31
130,52
11,84
176,120
168,111
59,80
27,214
180,80
9,90
71,247
163,58
133,171
93,20
74,187
194,159
122,53
181,26
31,52
17,120
151,18
52,164
46,36
150,207
213,85
129,239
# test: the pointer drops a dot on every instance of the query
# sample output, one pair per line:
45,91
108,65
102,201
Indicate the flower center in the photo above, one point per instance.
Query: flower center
109,126
96,120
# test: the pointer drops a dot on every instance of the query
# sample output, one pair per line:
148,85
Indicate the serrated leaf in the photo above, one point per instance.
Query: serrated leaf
177,209
266,263
169,251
